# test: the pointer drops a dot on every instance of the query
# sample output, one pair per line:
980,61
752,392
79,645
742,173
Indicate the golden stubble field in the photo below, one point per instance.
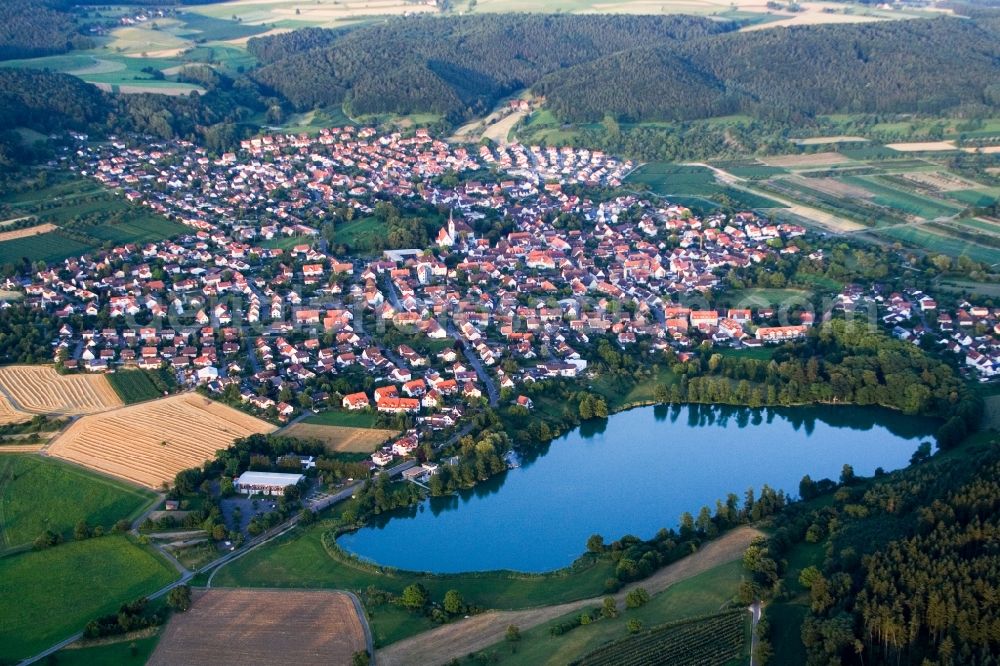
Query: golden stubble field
149,443
246,627
39,389
339,438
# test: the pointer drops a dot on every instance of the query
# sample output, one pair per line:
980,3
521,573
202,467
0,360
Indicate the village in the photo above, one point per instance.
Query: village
418,335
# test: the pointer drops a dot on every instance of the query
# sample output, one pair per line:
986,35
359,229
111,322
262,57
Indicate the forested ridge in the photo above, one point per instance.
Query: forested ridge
457,67
925,66
31,28
638,68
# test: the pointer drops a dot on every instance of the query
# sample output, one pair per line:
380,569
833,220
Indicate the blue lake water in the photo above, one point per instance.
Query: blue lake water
633,474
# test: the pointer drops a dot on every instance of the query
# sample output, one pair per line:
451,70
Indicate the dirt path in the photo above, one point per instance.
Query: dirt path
458,639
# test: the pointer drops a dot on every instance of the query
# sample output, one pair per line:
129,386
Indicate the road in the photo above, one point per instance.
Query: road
477,365
754,609
457,639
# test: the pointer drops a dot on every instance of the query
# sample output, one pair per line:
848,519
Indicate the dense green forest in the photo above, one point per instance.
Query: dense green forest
638,68
923,66
457,67
31,28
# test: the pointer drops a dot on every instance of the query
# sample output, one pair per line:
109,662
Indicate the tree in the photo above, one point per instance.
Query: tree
636,598
81,531
513,633
360,658
415,596
610,608
808,576
634,625
847,475
453,602
807,488
179,598
595,544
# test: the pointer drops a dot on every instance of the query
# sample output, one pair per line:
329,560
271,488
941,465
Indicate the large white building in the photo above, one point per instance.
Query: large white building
265,483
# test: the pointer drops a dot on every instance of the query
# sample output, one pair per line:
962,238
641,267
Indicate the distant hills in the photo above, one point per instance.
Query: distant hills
458,67
636,68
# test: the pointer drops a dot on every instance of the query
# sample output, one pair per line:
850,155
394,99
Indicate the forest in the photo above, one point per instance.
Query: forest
788,74
32,28
637,68
911,566
457,67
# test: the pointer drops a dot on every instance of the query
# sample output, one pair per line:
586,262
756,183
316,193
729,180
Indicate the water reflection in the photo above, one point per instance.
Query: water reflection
633,473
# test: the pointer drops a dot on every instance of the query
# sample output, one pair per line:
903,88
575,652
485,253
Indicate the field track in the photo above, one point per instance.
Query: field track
246,627
150,442
455,640
39,389
340,438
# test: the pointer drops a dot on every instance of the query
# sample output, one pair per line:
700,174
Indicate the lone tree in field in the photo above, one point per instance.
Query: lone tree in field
179,598
513,633
415,596
453,602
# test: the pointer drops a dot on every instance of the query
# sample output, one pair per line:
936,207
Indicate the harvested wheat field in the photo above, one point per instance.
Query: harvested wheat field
24,233
922,146
244,627
149,443
340,438
806,160
10,415
41,390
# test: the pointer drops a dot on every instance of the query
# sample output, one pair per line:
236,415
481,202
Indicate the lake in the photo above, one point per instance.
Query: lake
633,473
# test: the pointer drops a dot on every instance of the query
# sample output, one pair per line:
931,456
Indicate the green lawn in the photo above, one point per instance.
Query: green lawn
113,654
300,560
759,297
133,386
345,418
48,595
620,395
41,493
284,242
703,594
358,232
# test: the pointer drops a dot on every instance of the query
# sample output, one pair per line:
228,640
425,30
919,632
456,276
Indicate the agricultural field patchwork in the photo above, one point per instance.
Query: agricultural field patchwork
72,216
874,190
39,389
147,444
263,627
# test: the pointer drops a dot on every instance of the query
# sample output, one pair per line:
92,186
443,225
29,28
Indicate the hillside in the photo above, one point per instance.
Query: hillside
30,28
637,68
927,66
455,67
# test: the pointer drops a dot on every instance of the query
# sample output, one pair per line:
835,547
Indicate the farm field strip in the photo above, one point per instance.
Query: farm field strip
149,443
263,627
340,438
40,389
28,231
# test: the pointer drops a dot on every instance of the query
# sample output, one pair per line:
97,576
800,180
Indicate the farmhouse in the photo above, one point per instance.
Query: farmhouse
265,483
